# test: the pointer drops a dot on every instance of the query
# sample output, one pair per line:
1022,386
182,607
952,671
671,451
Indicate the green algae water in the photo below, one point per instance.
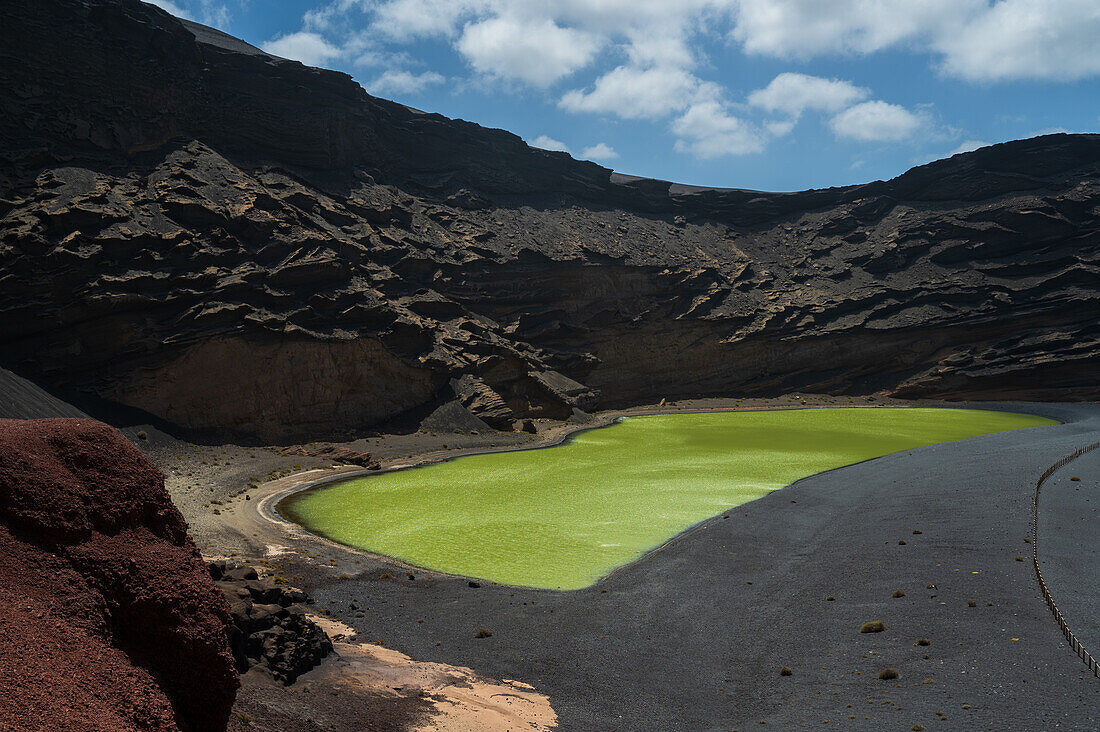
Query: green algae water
564,516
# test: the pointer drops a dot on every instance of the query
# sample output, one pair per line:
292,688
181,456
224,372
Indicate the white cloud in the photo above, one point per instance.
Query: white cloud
215,15
632,93
876,121
1026,39
977,40
804,28
171,7
403,82
779,127
792,94
538,52
968,146
309,48
599,151
545,142
208,12
406,19
707,130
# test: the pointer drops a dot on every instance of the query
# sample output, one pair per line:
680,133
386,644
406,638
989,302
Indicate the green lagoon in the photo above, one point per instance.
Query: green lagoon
564,516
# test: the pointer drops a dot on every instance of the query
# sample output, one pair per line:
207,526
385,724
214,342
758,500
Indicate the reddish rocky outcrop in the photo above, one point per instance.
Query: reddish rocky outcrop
108,617
236,242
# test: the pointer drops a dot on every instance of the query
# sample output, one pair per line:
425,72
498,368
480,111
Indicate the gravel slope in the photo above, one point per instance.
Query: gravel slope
1069,526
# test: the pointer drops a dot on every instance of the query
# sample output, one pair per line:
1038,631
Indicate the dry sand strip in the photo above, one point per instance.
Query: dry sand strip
694,636
460,699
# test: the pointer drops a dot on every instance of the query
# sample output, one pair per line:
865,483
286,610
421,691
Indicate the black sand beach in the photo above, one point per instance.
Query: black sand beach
693,636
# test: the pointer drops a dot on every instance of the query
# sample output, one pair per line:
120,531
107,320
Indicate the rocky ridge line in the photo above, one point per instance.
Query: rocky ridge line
245,246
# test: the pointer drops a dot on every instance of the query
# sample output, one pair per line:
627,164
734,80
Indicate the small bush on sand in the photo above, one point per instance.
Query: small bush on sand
1074,478
923,642
898,593
785,671
887,674
872,626
142,436
972,603
830,598
483,633
385,575
1019,559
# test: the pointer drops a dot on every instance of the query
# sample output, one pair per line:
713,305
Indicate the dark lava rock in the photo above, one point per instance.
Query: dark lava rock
270,626
242,245
108,618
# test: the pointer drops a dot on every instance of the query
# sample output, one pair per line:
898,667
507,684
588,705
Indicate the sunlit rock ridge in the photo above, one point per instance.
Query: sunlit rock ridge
243,245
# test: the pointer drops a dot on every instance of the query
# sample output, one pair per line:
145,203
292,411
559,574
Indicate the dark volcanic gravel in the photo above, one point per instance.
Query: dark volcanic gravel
1069,553
694,635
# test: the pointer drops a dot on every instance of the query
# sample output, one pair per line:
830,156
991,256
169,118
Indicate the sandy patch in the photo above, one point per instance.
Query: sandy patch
460,699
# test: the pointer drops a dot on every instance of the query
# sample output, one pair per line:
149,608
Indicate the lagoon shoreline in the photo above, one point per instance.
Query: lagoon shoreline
686,637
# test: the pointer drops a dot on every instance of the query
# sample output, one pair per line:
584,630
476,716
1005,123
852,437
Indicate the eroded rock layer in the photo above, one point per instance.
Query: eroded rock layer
239,243
108,617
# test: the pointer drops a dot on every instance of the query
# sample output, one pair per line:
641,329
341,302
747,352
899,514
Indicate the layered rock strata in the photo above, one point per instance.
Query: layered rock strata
240,244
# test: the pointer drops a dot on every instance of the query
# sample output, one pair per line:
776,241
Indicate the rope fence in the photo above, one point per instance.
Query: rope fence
1074,642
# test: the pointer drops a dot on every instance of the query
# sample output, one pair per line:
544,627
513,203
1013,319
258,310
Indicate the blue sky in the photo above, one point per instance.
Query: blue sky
764,94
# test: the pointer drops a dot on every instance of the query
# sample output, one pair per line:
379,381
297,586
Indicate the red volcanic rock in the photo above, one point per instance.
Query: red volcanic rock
108,617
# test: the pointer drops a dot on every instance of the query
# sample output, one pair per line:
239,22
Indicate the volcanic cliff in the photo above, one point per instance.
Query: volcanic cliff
241,244
109,619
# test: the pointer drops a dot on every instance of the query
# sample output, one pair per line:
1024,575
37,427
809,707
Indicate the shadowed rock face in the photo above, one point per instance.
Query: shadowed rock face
108,617
239,243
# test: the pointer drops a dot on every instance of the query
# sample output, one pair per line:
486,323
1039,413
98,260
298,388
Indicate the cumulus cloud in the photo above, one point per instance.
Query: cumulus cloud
707,131
599,151
206,12
648,59
170,7
633,93
538,52
305,46
405,19
215,14
976,40
792,94
403,82
545,142
804,28
968,146
876,122
1026,39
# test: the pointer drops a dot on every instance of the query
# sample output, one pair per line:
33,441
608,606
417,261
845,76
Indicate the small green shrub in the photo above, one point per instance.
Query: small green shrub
887,674
872,626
